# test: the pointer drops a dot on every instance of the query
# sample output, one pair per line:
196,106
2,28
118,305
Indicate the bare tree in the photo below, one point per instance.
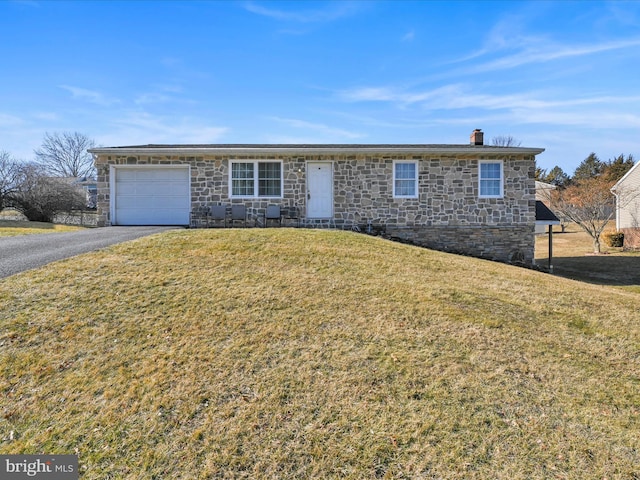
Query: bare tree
9,178
589,203
505,141
40,197
65,155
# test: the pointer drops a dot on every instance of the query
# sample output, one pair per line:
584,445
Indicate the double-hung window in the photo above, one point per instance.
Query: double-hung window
405,179
256,179
490,177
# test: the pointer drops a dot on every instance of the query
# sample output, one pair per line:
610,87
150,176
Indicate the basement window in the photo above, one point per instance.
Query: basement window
256,179
491,184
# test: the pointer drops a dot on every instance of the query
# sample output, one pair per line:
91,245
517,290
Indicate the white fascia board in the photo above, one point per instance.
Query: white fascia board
621,181
248,150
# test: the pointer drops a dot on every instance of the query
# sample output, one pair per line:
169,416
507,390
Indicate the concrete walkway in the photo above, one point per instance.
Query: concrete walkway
25,252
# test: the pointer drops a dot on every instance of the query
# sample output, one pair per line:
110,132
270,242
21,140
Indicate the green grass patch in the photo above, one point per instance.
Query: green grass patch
292,353
11,228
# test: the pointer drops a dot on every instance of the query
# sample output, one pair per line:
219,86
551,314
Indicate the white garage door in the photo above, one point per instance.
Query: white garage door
151,196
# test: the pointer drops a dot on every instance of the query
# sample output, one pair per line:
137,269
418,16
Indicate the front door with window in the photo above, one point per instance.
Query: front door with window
319,190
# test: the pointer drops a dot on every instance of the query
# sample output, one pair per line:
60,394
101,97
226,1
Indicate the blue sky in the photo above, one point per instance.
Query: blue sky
564,76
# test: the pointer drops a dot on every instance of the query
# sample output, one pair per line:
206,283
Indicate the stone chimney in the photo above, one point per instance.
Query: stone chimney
477,137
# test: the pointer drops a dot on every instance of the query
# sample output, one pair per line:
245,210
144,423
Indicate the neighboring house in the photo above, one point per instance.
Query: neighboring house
544,191
88,185
627,193
543,194
474,199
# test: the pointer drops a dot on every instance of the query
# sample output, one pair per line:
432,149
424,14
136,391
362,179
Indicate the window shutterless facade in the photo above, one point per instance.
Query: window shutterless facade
405,179
491,179
256,179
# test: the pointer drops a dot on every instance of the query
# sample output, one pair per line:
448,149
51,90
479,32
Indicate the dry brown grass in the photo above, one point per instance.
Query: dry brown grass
286,353
10,228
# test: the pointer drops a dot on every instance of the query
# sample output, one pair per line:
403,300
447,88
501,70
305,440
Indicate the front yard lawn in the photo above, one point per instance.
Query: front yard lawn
293,353
10,228
573,258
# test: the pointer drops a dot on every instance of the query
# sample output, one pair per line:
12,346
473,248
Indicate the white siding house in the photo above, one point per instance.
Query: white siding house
627,193
543,194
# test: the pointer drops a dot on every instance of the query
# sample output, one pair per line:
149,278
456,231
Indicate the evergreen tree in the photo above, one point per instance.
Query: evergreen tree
591,167
615,169
556,176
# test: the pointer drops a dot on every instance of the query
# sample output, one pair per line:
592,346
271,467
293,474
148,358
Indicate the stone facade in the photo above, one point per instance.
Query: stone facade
448,213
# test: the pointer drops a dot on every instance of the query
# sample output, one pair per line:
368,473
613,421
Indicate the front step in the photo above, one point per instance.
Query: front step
328,223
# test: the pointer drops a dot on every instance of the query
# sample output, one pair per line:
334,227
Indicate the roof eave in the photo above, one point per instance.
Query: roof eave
614,189
311,150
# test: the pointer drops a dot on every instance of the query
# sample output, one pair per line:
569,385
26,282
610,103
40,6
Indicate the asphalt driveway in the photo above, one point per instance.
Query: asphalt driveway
25,252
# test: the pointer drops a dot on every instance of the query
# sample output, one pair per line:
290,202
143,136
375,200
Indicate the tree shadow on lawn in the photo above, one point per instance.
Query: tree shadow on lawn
605,269
26,224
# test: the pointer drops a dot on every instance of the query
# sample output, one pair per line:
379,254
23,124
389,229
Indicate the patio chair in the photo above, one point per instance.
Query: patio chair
239,212
272,213
218,213
198,217
292,213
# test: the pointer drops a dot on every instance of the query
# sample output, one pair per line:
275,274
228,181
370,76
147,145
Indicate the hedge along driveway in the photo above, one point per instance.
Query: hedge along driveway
25,252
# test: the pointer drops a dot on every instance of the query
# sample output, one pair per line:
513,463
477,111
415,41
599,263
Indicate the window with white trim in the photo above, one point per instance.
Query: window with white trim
256,179
405,179
490,178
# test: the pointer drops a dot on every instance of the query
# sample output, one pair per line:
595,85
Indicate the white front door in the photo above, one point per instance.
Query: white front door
319,190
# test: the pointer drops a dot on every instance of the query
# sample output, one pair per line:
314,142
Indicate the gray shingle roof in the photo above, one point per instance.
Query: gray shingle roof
307,148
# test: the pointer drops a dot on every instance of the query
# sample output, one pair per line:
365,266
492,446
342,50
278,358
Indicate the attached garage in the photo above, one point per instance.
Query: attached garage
150,195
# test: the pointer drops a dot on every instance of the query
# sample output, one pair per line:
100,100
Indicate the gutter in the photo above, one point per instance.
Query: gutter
312,150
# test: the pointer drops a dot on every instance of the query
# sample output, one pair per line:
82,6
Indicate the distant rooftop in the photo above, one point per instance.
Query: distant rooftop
544,216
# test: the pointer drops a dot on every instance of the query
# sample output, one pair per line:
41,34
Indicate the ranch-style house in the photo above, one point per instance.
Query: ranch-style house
471,198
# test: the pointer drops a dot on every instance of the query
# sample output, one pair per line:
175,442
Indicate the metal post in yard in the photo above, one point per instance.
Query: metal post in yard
550,248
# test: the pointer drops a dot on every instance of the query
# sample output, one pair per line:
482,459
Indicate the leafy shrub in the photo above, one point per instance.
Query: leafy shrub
40,197
614,239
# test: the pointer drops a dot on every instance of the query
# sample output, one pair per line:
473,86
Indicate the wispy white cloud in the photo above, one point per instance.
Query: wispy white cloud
7,120
46,116
151,98
333,11
510,33
143,128
600,120
324,130
90,96
551,53
409,36
20,136
170,88
509,44
460,104
159,94
396,95
171,62
458,96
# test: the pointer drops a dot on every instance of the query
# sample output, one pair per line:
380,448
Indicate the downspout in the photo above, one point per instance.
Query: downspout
617,208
